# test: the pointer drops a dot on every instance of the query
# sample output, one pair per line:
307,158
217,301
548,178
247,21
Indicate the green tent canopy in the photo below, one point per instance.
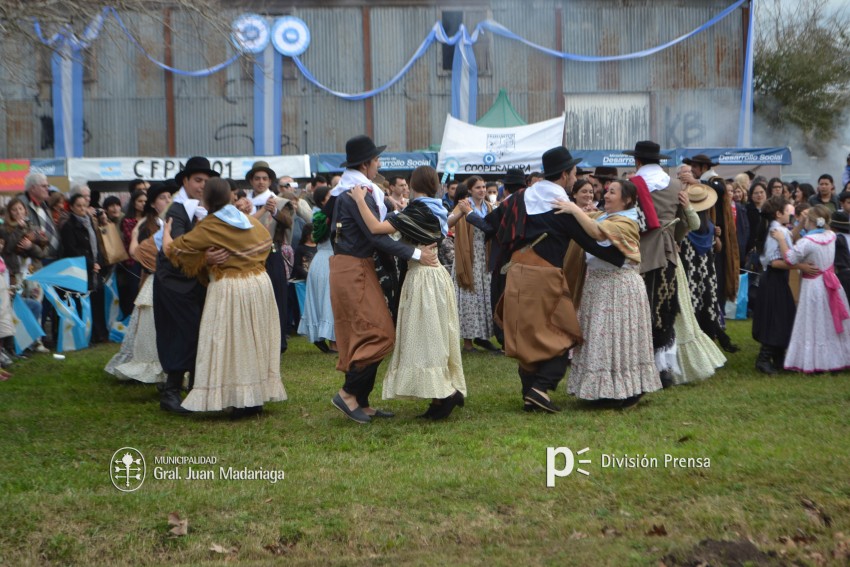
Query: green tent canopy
501,114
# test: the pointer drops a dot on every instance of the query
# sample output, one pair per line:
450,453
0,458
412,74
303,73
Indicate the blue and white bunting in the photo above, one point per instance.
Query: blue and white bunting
268,93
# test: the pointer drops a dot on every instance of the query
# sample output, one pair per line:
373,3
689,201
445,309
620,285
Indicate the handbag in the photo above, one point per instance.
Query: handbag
111,245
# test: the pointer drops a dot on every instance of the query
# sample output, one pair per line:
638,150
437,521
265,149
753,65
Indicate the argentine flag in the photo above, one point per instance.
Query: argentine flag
72,329
67,273
27,329
116,321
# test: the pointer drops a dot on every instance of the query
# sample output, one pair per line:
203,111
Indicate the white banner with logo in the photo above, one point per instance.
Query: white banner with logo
468,149
161,168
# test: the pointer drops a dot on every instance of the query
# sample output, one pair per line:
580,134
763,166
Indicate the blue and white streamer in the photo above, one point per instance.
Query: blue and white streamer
420,51
745,124
464,79
67,67
197,73
293,37
498,29
268,93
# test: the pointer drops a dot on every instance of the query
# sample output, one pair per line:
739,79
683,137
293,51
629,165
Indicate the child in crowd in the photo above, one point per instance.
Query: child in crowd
820,340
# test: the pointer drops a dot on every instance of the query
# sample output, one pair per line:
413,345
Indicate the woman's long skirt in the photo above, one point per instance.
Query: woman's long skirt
238,362
426,359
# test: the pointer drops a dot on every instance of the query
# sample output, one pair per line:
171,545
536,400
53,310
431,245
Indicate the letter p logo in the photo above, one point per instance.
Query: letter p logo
551,458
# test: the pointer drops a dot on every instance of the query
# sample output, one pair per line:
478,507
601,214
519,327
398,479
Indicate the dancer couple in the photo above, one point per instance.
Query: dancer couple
426,346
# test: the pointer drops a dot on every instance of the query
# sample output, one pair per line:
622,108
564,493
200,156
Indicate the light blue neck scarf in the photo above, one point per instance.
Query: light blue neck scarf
436,207
234,217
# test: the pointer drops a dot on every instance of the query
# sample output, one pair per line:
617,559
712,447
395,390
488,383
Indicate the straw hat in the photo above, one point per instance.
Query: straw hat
702,197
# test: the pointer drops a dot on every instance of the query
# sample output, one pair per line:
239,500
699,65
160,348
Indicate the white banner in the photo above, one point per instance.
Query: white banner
161,168
468,149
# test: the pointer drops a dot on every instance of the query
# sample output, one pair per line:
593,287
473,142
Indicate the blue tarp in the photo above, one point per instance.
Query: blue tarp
723,156
331,163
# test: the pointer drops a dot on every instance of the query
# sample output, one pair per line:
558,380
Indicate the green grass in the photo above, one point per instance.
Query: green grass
467,491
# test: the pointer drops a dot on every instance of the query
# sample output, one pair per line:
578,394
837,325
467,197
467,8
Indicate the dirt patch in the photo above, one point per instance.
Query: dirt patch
713,553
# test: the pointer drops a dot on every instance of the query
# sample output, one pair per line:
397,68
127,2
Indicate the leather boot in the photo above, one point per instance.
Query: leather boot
169,399
763,362
779,359
666,377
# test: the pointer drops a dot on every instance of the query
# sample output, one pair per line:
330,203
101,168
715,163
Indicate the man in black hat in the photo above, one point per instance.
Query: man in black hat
364,329
601,178
536,311
513,182
702,167
660,207
178,300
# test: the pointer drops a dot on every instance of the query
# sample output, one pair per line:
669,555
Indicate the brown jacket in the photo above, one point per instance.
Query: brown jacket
657,247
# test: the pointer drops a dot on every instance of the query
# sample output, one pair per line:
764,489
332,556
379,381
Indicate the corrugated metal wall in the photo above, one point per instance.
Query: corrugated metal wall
692,90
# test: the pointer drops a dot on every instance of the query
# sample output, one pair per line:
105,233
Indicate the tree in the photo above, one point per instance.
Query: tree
18,36
17,16
802,71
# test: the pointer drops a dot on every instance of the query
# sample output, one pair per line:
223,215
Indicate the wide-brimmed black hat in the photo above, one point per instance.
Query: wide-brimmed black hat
605,173
514,176
195,164
647,149
840,222
580,171
360,149
699,159
260,166
157,189
557,160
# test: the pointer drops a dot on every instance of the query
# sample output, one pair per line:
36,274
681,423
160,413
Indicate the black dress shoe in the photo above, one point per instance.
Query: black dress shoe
630,402
485,344
381,413
239,413
357,414
432,407
666,378
537,399
726,343
529,407
322,346
606,403
447,405
170,402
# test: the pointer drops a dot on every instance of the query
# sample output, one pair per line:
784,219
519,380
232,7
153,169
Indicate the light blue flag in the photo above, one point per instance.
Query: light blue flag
118,330
66,340
64,307
112,307
72,329
83,334
27,329
67,273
